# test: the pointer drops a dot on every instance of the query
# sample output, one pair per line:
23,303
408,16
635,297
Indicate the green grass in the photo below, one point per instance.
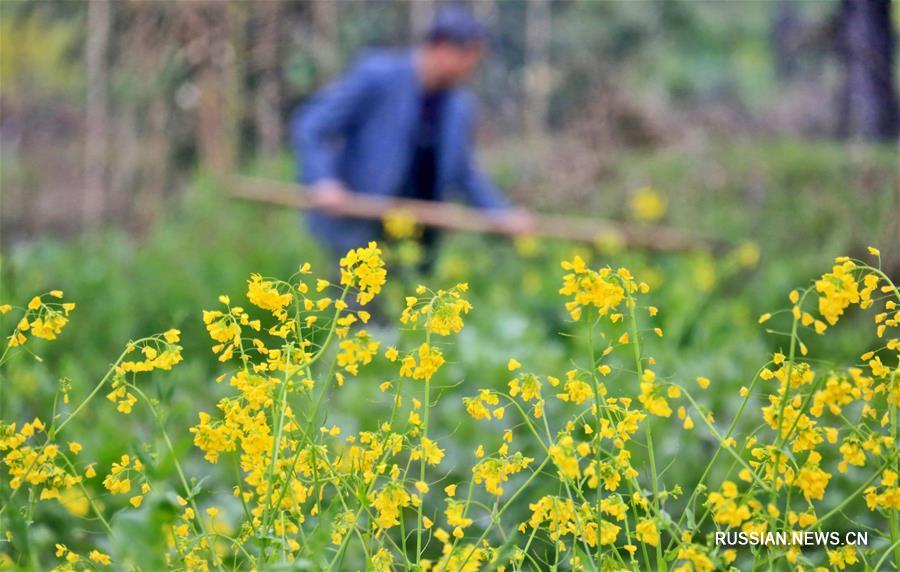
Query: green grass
800,203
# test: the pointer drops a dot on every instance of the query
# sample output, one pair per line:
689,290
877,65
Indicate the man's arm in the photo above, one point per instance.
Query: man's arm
481,192
317,128
478,189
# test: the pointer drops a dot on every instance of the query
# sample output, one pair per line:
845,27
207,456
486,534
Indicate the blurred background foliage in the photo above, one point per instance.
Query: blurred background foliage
119,122
107,109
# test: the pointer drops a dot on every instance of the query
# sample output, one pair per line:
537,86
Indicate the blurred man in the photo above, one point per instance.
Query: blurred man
399,124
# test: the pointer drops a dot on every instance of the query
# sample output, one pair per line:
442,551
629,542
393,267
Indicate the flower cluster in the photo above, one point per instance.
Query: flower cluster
363,270
157,352
565,474
43,317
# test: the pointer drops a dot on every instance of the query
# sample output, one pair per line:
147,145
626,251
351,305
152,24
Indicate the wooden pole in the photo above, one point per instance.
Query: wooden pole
462,218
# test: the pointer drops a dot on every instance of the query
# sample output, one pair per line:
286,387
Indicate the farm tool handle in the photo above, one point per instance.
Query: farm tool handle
459,217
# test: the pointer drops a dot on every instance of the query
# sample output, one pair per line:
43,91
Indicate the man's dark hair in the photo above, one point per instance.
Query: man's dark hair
455,24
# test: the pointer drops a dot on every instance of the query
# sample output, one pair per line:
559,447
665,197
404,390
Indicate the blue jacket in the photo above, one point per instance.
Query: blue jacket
359,130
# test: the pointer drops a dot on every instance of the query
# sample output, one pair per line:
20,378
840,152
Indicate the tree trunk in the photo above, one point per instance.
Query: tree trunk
155,168
267,109
485,11
868,101
786,32
97,112
220,26
537,67
420,13
325,38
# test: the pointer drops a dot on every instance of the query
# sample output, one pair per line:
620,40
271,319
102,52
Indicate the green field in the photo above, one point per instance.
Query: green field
783,209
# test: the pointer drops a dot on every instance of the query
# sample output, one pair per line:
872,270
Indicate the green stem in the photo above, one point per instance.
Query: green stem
847,500
181,476
427,404
506,505
89,498
51,434
636,344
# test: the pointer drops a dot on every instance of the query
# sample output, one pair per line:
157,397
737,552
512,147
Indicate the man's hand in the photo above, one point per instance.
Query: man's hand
518,221
330,195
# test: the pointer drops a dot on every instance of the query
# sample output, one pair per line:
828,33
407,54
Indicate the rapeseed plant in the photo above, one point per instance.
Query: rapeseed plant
576,448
